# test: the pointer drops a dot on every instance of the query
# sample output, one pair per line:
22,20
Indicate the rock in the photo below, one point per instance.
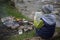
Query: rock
21,27
55,34
20,32
12,4
10,22
30,28
25,30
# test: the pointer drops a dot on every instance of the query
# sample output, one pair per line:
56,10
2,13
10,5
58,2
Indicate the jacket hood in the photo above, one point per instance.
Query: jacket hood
50,19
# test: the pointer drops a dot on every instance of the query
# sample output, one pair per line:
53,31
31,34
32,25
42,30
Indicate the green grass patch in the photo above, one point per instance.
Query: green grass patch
13,12
8,10
30,35
23,36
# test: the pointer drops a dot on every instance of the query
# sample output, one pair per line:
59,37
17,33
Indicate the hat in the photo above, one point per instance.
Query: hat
47,8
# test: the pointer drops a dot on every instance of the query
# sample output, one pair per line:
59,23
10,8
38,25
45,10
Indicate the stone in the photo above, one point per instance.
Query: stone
20,32
9,22
21,27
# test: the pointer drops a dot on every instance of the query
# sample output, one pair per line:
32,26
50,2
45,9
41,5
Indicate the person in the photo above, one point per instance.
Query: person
45,23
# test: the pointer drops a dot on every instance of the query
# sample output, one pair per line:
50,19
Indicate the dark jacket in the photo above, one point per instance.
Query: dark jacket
47,30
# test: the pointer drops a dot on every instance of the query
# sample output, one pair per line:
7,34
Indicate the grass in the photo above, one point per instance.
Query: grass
30,35
13,12
7,10
23,36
